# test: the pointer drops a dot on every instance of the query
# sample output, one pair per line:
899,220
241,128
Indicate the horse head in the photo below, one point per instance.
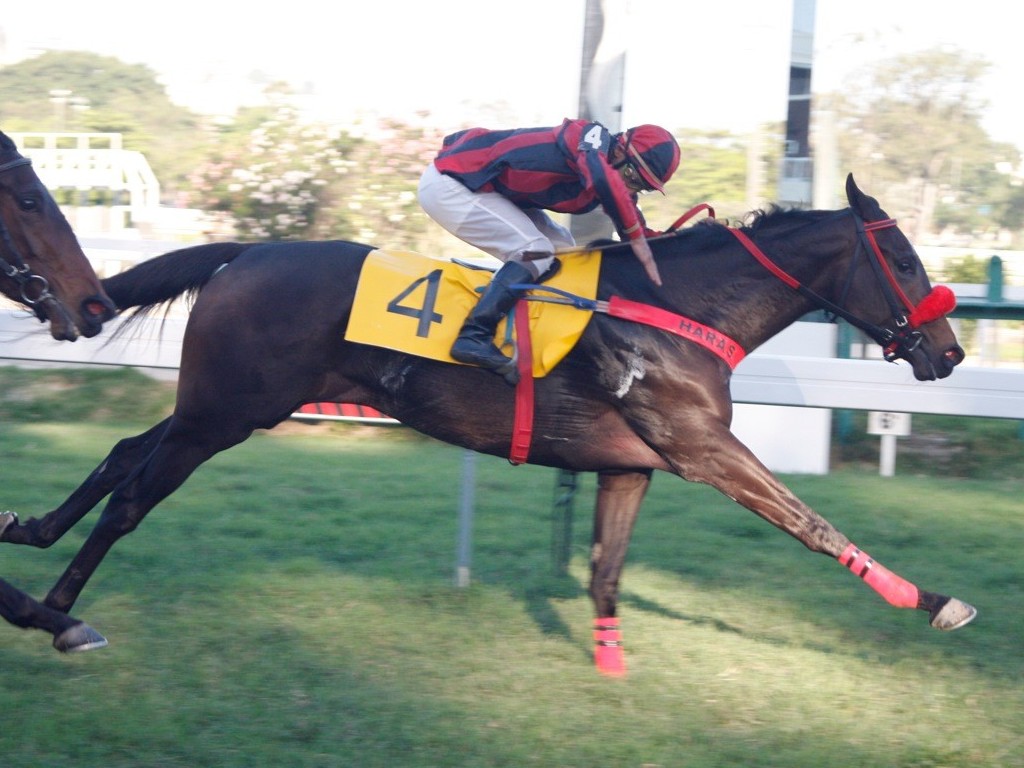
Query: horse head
41,262
907,314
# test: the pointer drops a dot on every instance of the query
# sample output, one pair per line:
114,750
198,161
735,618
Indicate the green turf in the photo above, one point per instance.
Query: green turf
293,605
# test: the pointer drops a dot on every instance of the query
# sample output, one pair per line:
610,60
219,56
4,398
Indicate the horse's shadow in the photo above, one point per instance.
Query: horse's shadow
652,607
540,600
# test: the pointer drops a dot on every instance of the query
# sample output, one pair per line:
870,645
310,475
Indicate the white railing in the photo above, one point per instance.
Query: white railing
91,161
762,378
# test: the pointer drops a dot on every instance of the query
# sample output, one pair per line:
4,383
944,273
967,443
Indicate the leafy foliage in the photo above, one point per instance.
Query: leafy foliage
102,94
912,124
909,128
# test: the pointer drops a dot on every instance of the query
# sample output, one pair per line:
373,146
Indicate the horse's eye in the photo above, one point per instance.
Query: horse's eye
906,266
28,203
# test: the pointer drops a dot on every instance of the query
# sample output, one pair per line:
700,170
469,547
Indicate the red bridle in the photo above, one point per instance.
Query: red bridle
939,302
907,317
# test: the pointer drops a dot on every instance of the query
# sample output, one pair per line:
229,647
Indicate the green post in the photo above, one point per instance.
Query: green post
844,417
995,296
995,279
561,521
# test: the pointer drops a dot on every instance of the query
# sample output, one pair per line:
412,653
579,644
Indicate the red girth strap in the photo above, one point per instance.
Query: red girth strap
522,425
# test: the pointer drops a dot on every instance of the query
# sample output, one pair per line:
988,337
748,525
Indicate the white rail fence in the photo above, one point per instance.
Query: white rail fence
776,393
765,377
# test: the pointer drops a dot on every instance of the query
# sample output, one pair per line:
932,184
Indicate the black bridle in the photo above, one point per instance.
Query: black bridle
34,288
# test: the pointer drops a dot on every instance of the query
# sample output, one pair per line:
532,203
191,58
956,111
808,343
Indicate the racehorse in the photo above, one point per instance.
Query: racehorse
266,335
43,267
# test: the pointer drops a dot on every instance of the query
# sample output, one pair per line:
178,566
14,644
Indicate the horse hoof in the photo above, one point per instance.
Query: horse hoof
7,519
80,637
953,614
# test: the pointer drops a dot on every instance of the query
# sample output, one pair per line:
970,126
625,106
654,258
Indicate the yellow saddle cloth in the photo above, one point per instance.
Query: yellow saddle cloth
416,304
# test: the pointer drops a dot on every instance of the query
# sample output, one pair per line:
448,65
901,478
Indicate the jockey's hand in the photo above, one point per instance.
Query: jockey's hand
642,251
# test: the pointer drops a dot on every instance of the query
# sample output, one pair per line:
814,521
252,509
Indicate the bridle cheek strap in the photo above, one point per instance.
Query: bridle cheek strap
938,303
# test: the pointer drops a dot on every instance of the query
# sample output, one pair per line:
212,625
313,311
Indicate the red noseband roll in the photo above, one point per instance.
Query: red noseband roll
939,303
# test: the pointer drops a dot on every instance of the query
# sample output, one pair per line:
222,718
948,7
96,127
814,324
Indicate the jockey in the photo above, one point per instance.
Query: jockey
491,188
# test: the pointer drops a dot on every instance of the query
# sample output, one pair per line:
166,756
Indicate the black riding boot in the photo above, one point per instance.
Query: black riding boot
475,344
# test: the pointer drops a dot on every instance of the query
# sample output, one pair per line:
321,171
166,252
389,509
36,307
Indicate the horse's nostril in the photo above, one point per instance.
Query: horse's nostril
97,309
954,356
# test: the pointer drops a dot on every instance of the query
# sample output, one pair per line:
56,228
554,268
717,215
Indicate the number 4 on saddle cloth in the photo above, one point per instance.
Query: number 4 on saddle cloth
416,304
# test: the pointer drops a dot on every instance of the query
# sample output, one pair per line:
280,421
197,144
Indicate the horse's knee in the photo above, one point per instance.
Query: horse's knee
824,539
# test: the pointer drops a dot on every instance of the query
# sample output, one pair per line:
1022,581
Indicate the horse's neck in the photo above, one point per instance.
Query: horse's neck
742,296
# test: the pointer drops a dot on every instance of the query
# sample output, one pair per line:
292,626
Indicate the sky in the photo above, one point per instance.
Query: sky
721,65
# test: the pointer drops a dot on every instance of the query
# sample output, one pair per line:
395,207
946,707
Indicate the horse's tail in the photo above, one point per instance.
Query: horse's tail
164,278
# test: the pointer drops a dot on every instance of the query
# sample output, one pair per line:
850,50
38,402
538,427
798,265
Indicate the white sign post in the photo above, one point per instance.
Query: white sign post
890,426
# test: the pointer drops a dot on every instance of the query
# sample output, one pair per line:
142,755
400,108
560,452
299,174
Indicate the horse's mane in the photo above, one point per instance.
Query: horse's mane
775,219
781,220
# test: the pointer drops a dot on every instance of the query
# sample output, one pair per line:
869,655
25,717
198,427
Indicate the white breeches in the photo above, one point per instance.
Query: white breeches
492,223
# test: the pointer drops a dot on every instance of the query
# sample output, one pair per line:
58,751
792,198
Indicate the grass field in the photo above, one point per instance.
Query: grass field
293,605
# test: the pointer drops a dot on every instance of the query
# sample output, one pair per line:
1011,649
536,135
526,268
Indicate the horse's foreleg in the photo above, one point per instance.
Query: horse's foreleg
618,500
122,459
944,612
69,634
737,473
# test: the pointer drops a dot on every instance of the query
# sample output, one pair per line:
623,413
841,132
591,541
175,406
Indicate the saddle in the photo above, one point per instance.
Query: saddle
416,304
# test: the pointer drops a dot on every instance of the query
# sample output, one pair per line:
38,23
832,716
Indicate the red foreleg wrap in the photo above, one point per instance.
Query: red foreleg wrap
608,654
895,589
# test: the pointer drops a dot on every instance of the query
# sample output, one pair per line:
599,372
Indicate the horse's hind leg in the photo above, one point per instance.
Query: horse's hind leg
69,634
181,449
122,459
618,500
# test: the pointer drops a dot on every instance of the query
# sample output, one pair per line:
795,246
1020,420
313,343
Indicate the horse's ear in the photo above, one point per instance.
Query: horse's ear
865,205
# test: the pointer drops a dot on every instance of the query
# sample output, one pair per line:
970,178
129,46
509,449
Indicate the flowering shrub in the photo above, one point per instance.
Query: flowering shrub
274,183
286,180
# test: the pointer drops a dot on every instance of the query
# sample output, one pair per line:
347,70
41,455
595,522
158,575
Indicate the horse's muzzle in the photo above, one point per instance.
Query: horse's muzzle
951,358
94,312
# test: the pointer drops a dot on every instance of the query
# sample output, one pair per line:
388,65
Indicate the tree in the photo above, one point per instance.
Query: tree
912,127
85,92
380,197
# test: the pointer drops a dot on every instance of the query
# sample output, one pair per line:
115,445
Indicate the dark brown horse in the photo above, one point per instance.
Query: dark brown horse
266,331
41,262
42,266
